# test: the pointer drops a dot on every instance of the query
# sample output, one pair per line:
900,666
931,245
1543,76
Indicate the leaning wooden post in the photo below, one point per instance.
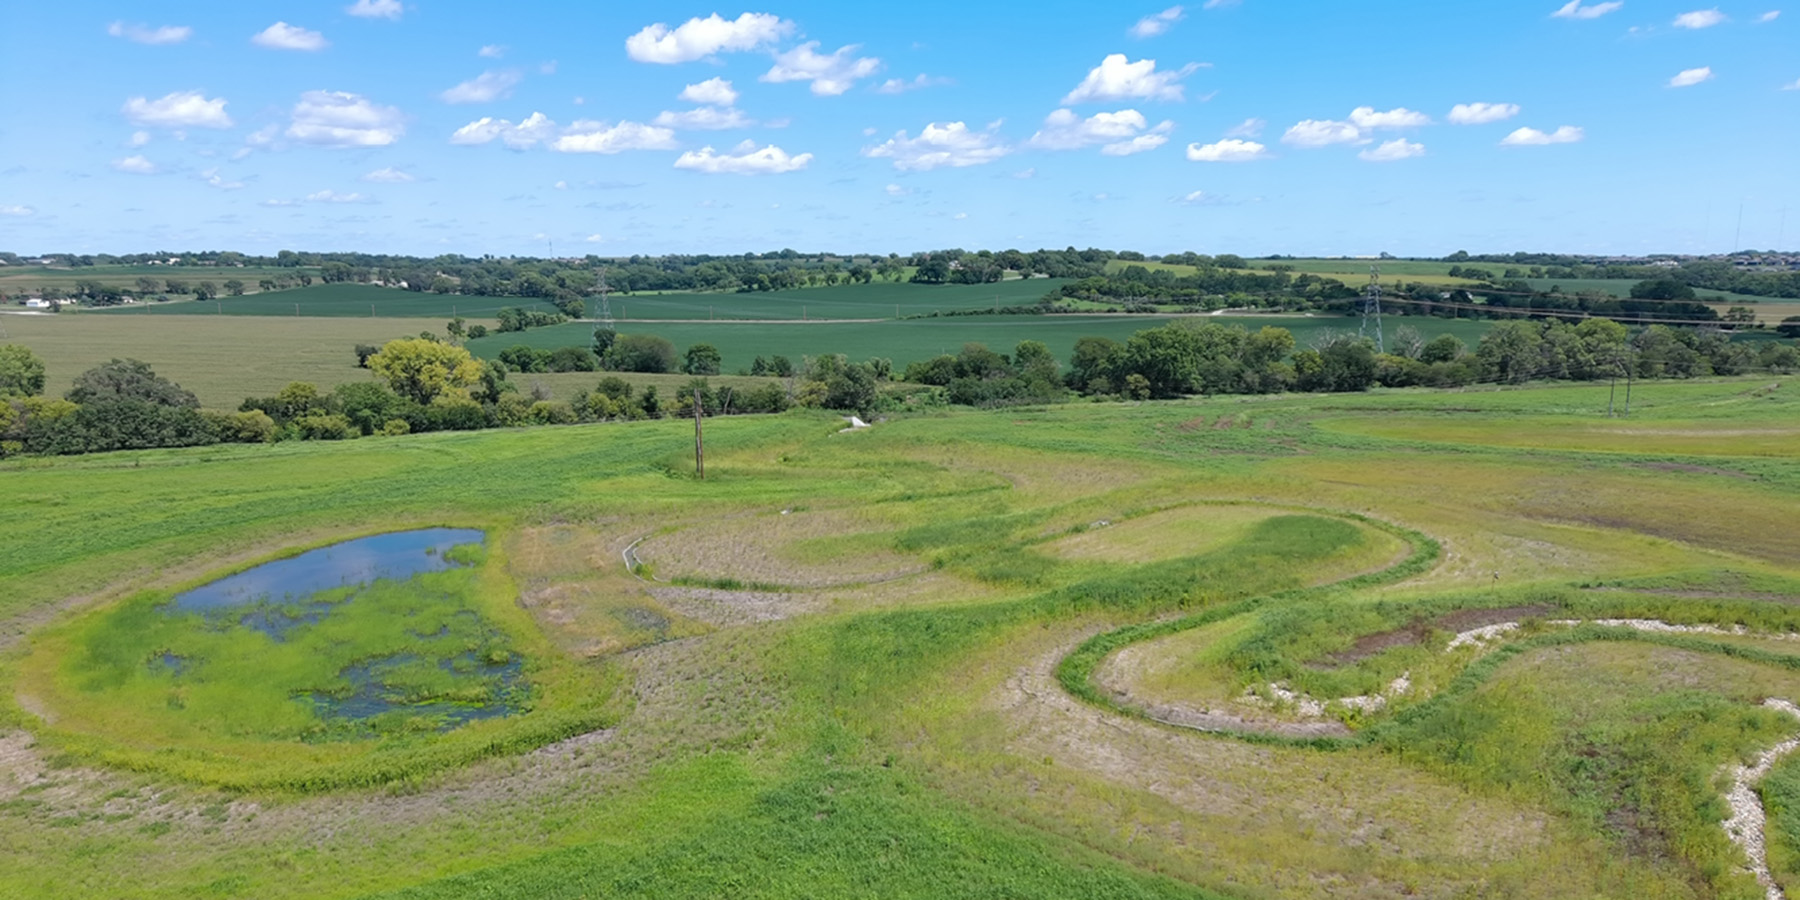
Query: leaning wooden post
699,440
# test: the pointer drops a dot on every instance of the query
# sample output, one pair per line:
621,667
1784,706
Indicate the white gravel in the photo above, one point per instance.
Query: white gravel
1745,826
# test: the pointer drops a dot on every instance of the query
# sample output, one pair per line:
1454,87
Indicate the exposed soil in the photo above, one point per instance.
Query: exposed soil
736,607
1421,630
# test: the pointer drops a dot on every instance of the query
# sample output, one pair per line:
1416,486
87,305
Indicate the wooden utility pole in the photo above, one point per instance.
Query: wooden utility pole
699,440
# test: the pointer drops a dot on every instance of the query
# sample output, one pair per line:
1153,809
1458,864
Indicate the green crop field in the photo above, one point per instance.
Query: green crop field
910,340
1476,643
337,300
1621,287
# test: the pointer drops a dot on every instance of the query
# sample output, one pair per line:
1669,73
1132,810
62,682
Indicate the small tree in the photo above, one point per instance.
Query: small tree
21,372
702,359
422,370
129,379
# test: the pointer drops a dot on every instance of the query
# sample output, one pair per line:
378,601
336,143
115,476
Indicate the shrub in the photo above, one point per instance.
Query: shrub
324,427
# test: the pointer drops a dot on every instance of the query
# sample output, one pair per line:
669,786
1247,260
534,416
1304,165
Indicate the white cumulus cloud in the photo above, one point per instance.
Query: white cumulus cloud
535,129
699,38
484,88
182,109
1228,150
214,179
16,210
1158,23
894,190
341,119
375,9
1124,132
135,165
1482,113
901,85
144,34
335,197
491,51
1769,16
1117,79
1700,18
1391,151
745,159
1321,133
1367,118
389,175
1531,137
282,36
139,138
1574,10
599,137
952,144
705,118
712,92
830,75
1691,77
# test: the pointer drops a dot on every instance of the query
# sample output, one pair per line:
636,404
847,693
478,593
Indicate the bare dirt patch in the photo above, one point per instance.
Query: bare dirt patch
721,607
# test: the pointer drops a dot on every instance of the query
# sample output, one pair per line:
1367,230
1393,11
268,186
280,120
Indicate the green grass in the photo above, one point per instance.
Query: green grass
339,300
911,737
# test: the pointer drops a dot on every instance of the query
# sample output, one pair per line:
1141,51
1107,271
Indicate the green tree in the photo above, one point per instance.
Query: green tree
129,380
1661,289
422,370
234,287
641,353
21,372
702,359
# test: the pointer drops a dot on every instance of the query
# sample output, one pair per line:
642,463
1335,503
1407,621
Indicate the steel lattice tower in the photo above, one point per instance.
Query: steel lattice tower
1372,309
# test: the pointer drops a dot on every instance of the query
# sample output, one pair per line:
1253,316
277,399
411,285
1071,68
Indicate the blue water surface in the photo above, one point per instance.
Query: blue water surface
398,555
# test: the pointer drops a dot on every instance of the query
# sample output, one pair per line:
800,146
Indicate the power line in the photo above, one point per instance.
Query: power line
1372,306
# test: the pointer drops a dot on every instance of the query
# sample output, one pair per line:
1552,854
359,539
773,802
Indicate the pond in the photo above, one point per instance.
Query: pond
368,637
398,555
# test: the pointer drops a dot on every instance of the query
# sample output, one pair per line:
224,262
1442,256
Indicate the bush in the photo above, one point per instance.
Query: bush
396,427
551,412
248,427
21,372
573,359
641,353
324,427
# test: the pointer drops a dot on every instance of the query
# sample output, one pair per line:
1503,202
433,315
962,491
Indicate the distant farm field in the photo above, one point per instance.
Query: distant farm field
1621,287
16,279
339,301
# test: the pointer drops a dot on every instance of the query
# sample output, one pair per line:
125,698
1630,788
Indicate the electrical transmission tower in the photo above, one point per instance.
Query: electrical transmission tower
606,319
1372,309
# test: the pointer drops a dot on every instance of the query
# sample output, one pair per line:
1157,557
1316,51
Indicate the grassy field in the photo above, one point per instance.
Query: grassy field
909,340
941,657
338,300
19,279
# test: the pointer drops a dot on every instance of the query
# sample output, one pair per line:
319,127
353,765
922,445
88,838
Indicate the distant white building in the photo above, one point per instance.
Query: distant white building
36,303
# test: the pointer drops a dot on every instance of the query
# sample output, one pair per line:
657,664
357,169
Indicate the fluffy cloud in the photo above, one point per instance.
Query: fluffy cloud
901,85
1228,150
135,165
1116,79
745,159
335,197
282,36
389,175
598,137
1691,77
1367,118
952,144
139,138
340,119
1392,151
1321,133
1769,16
894,190
491,51
1700,18
214,179
1482,113
536,129
375,9
182,109
700,38
1531,137
1153,25
484,88
1249,128
830,75
705,118
1124,132
144,34
16,210
1574,10
712,92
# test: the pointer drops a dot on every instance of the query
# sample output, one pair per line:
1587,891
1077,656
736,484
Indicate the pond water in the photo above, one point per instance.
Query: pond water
278,597
398,555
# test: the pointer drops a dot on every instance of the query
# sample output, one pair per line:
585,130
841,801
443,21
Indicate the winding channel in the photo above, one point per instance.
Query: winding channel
1077,671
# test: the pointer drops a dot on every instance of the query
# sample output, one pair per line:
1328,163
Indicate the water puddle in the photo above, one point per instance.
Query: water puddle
399,555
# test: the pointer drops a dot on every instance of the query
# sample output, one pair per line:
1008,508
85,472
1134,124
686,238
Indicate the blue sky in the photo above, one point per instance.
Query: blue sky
1255,126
